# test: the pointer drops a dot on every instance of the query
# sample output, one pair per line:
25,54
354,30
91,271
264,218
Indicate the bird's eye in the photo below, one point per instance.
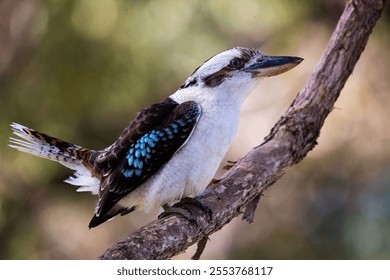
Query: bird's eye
237,63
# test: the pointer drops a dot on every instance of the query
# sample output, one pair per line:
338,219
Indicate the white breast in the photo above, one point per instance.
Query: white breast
192,168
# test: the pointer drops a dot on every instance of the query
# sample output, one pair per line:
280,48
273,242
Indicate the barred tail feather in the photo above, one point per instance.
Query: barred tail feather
70,155
45,146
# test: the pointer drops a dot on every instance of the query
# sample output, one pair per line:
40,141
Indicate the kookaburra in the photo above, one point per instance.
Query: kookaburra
172,149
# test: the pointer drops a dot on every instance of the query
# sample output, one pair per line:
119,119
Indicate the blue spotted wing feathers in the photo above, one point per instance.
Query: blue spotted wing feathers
149,142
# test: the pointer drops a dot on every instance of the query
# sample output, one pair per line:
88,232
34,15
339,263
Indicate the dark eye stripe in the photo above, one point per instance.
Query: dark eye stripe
217,78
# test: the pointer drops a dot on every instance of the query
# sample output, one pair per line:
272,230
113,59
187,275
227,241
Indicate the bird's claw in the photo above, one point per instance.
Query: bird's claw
181,209
197,203
170,210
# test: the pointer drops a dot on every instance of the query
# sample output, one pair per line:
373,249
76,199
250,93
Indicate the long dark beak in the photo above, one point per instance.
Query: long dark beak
268,66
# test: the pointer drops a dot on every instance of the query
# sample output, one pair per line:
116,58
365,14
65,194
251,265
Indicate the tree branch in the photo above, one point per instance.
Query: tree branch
289,141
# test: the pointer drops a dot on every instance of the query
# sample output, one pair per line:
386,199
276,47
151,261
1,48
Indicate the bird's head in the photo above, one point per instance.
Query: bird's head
234,72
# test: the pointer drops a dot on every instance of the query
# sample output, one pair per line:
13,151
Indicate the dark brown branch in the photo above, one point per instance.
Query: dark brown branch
293,136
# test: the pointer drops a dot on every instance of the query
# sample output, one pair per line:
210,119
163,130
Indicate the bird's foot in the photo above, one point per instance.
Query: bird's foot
182,208
169,210
195,202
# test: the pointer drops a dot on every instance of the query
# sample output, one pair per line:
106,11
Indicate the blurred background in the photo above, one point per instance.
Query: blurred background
79,70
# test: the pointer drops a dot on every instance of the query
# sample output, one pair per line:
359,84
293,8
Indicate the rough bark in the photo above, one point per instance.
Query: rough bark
292,137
